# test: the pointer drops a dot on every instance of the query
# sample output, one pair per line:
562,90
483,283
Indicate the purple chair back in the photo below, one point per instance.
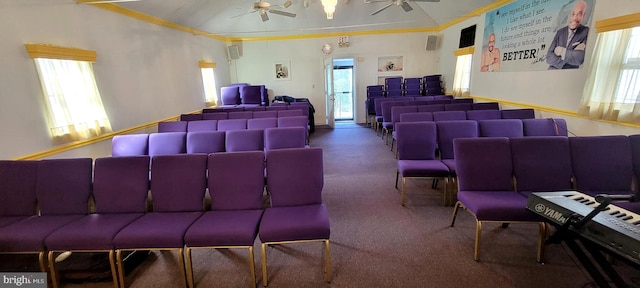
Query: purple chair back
120,184
397,111
483,114
190,117
545,127
244,140
501,128
542,163
202,125
130,145
251,95
215,116
265,114
431,108
635,157
483,164
439,101
230,95
254,108
262,123
295,176
386,109
205,142
458,106
236,180
295,121
240,115
64,185
167,143
178,182
601,163
290,113
172,126
18,187
486,106
518,114
449,115
378,104
232,124
395,93
233,109
416,140
277,107
284,137
462,100
416,117
449,130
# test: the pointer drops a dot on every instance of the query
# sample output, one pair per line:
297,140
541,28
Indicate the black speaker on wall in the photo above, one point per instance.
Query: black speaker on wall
467,36
432,41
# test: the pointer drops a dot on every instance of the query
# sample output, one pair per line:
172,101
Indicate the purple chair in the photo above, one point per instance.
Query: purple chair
17,190
233,109
172,126
215,116
284,137
483,114
262,123
485,175
634,140
541,163
295,121
486,106
190,117
501,128
230,95
120,187
290,113
602,164
202,125
378,108
251,95
458,106
417,154
254,108
167,143
240,115
205,142
449,115
395,93
431,108
545,127
244,140
446,132
396,112
130,145
416,117
387,122
63,187
462,100
236,185
277,107
294,180
232,124
439,101
178,184
265,114
518,114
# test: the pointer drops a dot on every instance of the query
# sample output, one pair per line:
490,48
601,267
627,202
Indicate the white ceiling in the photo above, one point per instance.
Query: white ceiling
217,17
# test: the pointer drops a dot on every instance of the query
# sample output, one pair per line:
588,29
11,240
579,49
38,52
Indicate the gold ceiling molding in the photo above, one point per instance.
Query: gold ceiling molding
464,51
58,52
617,23
207,64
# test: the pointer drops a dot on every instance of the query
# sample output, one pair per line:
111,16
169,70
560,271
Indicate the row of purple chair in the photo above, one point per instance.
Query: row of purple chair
44,207
371,107
243,94
208,141
271,112
233,124
433,141
496,175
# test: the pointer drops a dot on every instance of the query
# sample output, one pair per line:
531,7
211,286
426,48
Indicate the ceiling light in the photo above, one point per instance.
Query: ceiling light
287,4
329,7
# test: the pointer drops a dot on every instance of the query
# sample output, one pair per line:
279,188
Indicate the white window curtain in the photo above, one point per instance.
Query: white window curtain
73,104
612,91
462,76
209,84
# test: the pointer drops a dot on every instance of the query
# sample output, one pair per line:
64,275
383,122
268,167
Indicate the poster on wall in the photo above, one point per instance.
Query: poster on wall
529,35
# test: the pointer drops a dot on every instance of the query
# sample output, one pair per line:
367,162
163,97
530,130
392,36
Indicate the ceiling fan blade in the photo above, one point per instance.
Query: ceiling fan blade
381,9
264,16
406,7
292,15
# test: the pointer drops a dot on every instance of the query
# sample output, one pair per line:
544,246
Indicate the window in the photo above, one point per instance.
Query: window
612,91
462,76
209,83
71,97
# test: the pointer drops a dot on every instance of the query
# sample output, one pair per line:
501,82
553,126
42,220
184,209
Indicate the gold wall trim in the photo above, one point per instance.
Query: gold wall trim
58,52
207,64
464,51
475,13
617,23
336,34
104,137
554,111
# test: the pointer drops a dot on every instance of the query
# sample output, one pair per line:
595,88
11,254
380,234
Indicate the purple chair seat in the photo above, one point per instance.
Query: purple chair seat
497,206
418,168
6,220
156,230
224,228
92,232
306,222
28,235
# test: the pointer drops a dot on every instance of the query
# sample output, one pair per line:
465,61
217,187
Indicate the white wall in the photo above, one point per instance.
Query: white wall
556,89
144,72
307,78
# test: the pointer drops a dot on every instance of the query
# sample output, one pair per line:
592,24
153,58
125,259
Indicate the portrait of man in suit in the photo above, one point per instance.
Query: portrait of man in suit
567,49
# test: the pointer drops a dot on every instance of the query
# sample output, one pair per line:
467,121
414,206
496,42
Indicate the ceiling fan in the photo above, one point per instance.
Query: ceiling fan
263,7
402,3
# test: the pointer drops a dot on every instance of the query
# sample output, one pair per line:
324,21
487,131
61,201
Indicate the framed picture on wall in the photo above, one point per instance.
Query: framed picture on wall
391,64
282,70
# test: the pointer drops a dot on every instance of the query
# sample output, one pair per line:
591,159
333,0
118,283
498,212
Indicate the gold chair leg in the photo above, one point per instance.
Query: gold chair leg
52,270
181,263
264,264
114,273
189,265
252,268
120,265
404,181
42,261
476,252
455,213
327,256
541,246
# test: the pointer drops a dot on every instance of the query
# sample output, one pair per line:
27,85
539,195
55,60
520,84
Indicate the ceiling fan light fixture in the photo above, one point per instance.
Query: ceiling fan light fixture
287,4
329,7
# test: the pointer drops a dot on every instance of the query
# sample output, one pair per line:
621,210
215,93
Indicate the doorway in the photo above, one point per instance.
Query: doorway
343,89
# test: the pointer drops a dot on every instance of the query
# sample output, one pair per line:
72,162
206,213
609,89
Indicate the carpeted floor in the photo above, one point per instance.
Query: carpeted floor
375,242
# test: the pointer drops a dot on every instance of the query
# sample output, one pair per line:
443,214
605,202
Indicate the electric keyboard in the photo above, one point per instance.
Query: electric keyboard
614,228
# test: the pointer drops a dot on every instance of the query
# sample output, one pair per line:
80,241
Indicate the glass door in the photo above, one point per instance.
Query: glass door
343,88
